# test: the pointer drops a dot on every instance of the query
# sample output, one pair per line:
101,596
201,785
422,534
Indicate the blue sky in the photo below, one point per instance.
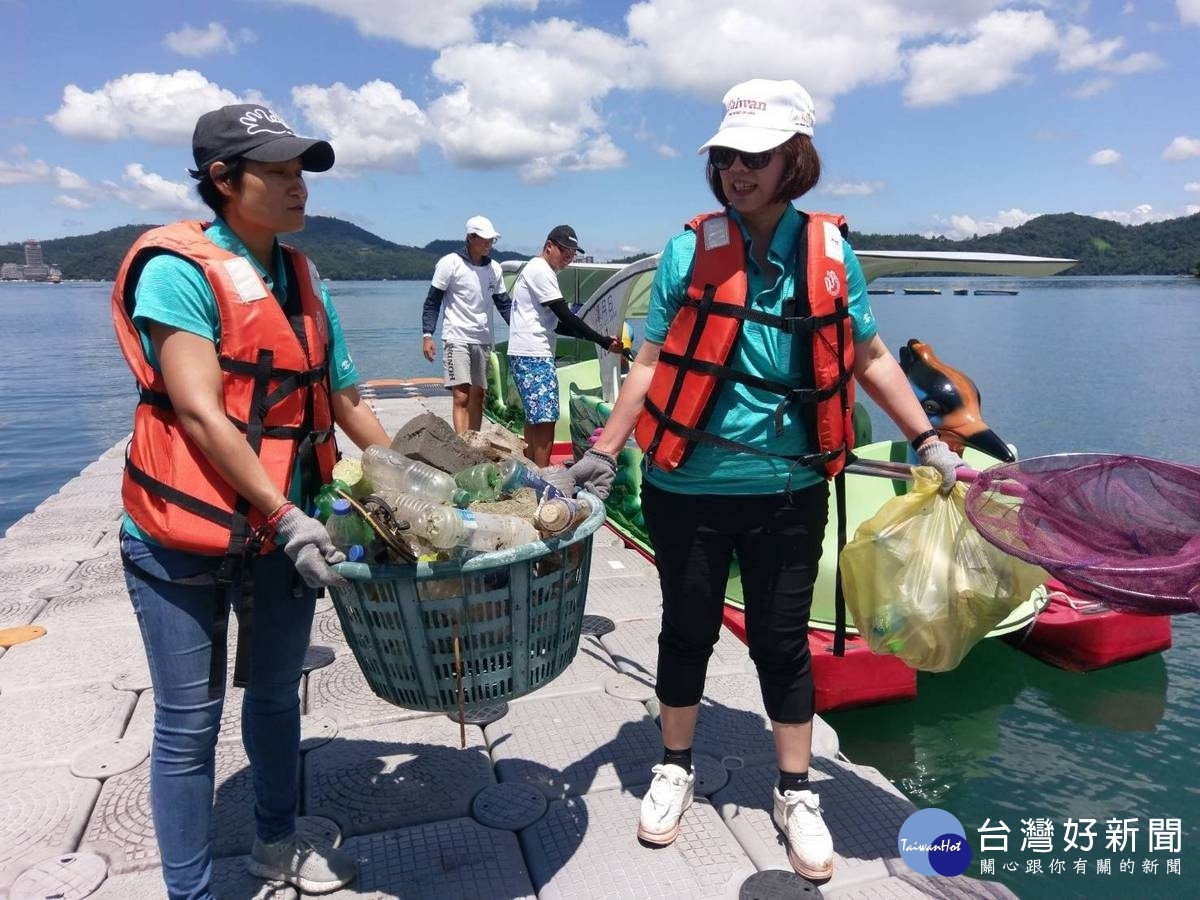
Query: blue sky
933,116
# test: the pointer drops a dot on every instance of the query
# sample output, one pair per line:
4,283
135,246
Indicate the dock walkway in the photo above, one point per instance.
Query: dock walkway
543,802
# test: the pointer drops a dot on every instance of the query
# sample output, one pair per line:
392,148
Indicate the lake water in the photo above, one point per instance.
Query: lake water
1068,364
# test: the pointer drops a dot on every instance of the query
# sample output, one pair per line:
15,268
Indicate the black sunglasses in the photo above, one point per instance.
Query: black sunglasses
721,158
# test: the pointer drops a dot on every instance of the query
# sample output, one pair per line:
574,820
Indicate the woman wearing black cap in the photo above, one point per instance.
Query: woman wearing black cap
242,372
741,397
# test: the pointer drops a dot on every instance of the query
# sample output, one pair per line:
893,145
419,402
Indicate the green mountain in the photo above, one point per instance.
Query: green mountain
343,251
1102,247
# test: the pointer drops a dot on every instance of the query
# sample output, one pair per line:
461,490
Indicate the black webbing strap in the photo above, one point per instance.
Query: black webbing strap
789,322
814,460
240,538
177,497
839,635
839,602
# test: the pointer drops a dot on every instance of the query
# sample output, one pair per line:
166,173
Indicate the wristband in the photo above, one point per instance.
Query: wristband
273,519
923,437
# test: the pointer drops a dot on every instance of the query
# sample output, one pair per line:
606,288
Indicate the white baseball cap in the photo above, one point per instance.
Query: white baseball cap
761,114
482,226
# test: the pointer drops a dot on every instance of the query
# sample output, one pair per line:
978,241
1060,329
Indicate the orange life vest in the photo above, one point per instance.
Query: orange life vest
694,359
275,383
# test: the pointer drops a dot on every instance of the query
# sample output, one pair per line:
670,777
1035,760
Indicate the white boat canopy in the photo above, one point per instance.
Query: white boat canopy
605,295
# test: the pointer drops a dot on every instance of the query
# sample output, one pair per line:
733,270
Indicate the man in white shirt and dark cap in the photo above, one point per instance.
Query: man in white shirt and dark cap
469,282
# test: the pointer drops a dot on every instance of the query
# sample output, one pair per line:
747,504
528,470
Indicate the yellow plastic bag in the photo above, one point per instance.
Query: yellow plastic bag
922,584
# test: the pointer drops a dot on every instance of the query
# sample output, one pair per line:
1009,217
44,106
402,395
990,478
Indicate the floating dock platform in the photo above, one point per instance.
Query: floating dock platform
543,801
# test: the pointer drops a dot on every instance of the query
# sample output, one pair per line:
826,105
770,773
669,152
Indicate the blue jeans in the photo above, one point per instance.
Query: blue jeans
176,621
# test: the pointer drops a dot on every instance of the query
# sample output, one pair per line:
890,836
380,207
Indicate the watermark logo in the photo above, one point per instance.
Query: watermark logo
933,842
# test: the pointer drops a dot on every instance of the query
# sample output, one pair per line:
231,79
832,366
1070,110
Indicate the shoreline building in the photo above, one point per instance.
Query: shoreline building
35,268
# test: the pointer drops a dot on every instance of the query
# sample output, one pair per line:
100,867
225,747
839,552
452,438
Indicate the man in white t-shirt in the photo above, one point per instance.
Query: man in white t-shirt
539,312
469,282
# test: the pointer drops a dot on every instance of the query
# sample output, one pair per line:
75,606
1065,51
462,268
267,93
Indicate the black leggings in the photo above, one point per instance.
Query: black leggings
777,538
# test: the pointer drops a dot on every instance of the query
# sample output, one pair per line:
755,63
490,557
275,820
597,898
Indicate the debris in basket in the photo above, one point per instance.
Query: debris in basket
376,511
522,503
431,439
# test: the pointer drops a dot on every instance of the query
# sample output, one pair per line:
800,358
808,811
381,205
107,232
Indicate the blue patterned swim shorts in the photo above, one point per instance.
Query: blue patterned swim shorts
537,383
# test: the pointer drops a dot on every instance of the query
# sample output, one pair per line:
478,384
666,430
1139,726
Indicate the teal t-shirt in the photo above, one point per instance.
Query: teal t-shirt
742,413
172,291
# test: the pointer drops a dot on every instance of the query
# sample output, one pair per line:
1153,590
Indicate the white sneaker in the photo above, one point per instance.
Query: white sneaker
810,848
300,864
669,795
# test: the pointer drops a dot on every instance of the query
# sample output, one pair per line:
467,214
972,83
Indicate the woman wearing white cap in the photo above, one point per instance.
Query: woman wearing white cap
741,397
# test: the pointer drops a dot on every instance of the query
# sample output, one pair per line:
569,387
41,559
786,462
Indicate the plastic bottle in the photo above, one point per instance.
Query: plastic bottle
323,502
347,531
481,482
392,473
515,474
445,527
558,515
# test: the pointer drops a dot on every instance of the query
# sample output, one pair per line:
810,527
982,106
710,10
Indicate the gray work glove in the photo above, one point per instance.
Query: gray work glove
559,477
595,472
938,455
309,546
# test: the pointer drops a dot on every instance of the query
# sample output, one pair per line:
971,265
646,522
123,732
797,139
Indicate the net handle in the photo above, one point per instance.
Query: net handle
879,468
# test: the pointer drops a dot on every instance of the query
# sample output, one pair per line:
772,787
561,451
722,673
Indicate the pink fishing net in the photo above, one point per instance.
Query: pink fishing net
1122,530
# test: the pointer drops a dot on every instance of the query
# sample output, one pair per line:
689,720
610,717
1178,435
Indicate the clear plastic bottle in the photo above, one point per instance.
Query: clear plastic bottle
481,482
391,473
559,515
515,474
445,527
348,531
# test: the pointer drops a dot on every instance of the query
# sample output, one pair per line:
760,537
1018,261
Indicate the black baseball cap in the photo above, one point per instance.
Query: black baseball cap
564,236
251,131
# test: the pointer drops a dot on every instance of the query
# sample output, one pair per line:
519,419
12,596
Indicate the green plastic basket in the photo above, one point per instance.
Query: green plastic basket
515,615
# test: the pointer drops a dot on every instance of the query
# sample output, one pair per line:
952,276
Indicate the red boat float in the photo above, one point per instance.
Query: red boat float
1082,635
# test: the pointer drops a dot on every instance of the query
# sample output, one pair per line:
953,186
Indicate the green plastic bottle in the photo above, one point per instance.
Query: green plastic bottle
482,481
323,502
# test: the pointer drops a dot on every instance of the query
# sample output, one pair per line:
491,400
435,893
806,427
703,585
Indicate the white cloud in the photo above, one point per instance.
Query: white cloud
373,127
417,24
1001,42
68,202
150,191
25,172
666,151
1189,11
1139,215
1191,209
159,108
1128,9
852,188
1079,51
960,227
1093,88
68,180
1182,148
1192,186
598,153
531,103
1105,157
829,48
189,41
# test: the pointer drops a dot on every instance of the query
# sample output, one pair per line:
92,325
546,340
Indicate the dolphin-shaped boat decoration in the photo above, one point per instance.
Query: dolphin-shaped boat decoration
951,400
